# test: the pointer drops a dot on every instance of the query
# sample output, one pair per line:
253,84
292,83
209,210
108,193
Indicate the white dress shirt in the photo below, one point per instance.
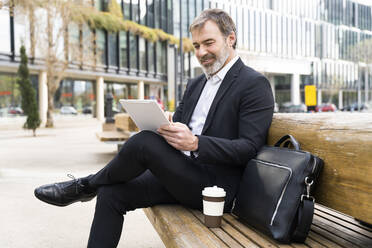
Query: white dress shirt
206,98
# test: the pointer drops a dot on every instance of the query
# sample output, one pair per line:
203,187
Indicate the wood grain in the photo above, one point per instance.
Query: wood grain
178,227
125,123
113,136
344,142
182,227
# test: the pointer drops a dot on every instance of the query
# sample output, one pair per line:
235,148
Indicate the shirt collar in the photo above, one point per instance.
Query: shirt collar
219,76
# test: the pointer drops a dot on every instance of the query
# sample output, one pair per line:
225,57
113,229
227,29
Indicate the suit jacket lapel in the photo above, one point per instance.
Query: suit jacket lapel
193,100
229,79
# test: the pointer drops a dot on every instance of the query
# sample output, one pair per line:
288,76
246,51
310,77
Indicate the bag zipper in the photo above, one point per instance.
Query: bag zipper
285,186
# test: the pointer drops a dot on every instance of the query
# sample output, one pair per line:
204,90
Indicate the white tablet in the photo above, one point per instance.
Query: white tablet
146,114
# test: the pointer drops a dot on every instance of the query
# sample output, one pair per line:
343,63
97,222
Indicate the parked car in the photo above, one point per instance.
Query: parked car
364,107
288,107
15,111
68,110
326,107
87,110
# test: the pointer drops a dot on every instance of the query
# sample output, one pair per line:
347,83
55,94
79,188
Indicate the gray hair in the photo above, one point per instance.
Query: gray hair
224,22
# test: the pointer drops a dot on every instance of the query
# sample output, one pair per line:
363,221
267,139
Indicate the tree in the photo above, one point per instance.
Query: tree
28,94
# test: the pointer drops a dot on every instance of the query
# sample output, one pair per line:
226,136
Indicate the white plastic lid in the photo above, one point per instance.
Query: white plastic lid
214,192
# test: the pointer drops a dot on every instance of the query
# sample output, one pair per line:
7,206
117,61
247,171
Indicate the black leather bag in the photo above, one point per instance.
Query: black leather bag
275,191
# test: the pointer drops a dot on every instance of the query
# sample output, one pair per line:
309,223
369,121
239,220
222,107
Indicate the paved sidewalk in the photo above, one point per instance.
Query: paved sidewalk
27,162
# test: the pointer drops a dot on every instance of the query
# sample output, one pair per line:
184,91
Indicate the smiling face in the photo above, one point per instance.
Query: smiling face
212,48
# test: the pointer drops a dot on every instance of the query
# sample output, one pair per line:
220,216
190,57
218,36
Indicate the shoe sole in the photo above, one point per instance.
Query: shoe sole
60,204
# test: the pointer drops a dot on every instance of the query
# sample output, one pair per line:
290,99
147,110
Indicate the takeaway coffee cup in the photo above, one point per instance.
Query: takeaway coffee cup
213,202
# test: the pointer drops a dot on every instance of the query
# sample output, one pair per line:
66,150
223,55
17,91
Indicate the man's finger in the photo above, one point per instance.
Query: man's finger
170,138
175,145
170,128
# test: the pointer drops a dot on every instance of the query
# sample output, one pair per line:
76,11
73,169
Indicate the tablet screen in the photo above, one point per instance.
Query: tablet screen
146,114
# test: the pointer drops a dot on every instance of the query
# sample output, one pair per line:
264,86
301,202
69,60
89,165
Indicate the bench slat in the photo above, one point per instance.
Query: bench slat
352,228
243,240
257,237
313,243
324,241
219,232
331,236
341,231
342,216
177,228
277,244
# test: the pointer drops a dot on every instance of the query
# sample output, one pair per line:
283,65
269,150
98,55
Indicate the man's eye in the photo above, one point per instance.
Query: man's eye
209,43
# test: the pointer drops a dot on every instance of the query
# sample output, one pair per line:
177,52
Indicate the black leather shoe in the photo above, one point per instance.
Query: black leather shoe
64,193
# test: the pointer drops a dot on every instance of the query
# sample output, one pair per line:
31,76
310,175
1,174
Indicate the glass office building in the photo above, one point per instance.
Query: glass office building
300,42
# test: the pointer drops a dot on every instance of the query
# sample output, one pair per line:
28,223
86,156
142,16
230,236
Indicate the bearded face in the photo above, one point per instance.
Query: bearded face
212,48
213,62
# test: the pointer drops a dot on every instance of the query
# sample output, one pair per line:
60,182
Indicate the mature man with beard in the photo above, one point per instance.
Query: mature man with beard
218,127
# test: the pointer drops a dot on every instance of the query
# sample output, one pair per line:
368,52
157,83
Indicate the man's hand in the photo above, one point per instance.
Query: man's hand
169,115
179,136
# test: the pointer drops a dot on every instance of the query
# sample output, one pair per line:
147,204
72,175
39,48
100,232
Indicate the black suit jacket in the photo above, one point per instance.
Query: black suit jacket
236,126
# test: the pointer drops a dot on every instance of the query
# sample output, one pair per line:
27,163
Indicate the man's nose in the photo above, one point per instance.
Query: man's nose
202,51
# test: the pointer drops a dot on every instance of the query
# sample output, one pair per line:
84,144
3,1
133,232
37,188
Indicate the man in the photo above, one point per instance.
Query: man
218,127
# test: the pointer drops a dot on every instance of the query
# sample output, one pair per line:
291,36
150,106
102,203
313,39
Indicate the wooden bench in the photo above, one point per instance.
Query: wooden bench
182,227
344,141
118,132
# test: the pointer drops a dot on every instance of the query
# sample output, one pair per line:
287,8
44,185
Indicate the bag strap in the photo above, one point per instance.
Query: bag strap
305,213
305,218
292,140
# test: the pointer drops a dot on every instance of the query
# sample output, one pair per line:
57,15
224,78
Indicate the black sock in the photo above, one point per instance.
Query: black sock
88,188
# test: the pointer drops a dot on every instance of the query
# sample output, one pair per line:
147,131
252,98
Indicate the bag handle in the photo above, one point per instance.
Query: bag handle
291,140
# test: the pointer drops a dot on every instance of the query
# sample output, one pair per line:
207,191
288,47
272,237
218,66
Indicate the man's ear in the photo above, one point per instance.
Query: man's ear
231,38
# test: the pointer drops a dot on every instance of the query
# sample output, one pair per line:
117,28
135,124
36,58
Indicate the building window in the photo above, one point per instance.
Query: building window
77,93
161,56
163,14
176,16
157,13
112,47
353,15
133,51
126,9
151,48
88,46
10,95
73,33
123,49
143,13
150,13
185,19
170,16
142,54
192,9
4,31
101,51
135,11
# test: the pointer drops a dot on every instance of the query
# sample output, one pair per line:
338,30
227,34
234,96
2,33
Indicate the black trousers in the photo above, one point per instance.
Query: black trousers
147,171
